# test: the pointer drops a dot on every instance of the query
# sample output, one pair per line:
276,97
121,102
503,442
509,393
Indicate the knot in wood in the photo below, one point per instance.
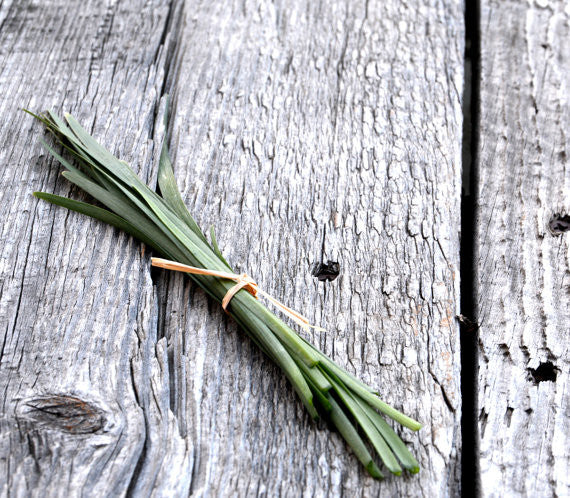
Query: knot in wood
66,413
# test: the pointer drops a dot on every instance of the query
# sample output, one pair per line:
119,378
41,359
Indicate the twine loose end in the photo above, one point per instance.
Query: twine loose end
242,281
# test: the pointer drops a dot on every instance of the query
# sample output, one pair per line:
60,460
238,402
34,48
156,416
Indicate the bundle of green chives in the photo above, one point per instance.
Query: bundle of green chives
163,223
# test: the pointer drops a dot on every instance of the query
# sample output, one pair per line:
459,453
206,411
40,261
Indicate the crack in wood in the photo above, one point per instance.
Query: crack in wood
470,470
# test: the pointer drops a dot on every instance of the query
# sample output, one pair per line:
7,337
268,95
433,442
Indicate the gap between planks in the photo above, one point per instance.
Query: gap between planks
470,465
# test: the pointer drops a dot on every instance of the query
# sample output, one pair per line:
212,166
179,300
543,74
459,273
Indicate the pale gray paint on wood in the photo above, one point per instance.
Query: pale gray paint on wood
293,123
296,122
523,270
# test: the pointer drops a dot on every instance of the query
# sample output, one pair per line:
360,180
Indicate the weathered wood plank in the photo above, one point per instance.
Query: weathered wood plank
307,130
83,376
331,136
523,269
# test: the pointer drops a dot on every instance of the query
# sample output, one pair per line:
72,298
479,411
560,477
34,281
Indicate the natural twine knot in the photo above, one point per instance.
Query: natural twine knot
243,281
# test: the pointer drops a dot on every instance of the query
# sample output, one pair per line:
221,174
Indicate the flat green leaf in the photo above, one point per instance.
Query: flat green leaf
122,209
282,358
200,250
384,452
316,376
65,163
171,194
398,447
119,168
364,391
286,335
319,396
351,436
97,213
217,249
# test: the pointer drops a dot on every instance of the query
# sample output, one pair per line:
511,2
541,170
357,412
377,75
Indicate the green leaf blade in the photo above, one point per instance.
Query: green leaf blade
351,436
96,213
171,194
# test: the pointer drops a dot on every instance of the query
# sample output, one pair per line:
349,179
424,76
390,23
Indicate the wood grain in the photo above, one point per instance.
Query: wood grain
83,376
524,269
307,131
304,131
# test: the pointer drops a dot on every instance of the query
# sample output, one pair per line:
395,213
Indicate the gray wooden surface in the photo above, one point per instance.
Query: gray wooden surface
523,269
307,131
292,125
303,131
84,379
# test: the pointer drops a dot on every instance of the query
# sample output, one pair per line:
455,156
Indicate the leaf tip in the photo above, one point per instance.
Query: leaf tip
374,471
33,114
416,426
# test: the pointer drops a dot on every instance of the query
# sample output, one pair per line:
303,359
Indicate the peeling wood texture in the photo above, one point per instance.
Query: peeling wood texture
524,268
305,132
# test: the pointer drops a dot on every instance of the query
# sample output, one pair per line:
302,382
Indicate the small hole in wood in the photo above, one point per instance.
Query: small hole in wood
559,223
505,350
545,372
508,416
326,272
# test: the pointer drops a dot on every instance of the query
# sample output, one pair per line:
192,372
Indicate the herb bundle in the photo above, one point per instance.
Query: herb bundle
163,223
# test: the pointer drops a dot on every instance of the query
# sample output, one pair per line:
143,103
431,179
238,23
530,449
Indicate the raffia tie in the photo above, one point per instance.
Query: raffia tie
242,281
